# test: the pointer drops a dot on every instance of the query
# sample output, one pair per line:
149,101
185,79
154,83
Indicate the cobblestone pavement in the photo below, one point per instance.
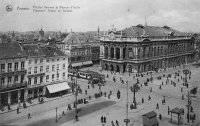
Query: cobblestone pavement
117,111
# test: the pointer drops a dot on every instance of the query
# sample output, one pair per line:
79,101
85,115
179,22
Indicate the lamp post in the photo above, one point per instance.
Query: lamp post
134,89
76,94
127,120
56,115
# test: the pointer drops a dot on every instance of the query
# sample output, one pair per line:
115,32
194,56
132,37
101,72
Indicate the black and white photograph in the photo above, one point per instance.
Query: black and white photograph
99,62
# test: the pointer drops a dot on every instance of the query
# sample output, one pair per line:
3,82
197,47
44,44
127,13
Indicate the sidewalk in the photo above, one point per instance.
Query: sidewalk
34,102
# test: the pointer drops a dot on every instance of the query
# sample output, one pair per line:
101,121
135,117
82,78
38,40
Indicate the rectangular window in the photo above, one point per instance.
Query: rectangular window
57,66
16,78
63,66
29,62
2,81
35,70
41,68
63,75
9,80
2,67
29,81
22,65
41,60
9,67
16,66
57,75
41,79
47,78
53,67
47,68
29,70
22,78
52,77
35,80
35,61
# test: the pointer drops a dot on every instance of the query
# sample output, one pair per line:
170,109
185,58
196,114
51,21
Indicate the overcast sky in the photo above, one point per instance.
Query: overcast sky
183,15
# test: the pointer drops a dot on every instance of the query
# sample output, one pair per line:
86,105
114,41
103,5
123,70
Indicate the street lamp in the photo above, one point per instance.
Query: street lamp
134,89
186,72
127,120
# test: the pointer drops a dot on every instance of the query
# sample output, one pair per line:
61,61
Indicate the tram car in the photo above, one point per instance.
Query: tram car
84,74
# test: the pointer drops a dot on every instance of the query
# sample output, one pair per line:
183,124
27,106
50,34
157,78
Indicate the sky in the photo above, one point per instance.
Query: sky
182,15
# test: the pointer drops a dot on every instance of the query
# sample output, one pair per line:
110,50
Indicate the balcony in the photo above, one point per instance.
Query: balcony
36,74
136,39
12,73
13,86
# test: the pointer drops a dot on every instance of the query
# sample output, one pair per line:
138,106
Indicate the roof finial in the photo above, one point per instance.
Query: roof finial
145,22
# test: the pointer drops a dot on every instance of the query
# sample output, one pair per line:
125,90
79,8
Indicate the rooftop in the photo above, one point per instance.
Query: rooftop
11,50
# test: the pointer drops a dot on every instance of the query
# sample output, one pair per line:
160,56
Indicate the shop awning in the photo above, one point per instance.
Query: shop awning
58,87
87,62
77,64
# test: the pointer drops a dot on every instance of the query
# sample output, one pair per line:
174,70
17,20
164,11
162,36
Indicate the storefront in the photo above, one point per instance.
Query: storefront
58,89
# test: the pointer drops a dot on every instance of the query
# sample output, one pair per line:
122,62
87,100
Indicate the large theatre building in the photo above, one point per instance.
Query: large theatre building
145,48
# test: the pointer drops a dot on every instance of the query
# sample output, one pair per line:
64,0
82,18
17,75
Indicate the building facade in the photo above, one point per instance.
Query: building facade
145,48
35,70
56,72
13,80
79,53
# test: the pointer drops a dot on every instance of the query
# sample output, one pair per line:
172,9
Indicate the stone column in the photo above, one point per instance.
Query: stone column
19,95
0,102
126,56
32,92
109,52
44,90
25,94
121,69
114,52
121,53
9,97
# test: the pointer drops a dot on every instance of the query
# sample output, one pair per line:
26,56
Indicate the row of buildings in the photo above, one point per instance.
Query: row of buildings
145,48
29,71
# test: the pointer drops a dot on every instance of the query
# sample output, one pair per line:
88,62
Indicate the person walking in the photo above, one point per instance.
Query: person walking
117,123
29,115
102,119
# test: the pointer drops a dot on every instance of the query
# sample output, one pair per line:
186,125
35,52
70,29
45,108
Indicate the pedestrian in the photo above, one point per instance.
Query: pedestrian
110,92
29,115
63,113
160,87
17,110
102,119
168,110
157,106
117,123
142,100
85,92
88,86
109,96
89,97
181,89
112,123
182,97
149,98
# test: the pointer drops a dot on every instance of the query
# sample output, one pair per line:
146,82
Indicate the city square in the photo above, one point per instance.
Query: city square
99,63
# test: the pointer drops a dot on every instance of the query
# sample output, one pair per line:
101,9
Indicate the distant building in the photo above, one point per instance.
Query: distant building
78,52
13,80
145,48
